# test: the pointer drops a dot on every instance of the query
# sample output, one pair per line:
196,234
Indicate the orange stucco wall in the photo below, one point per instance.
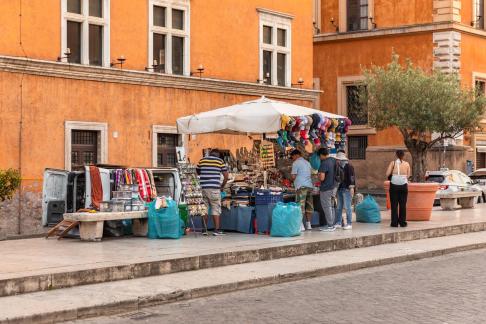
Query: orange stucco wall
227,43
329,10
466,12
387,13
349,57
394,13
130,110
473,57
37,34
224,34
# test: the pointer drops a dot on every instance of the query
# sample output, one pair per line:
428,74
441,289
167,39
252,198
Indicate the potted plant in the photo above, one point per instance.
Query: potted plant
9,183
426,108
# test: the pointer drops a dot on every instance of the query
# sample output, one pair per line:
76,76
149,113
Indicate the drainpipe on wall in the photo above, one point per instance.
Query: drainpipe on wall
19,227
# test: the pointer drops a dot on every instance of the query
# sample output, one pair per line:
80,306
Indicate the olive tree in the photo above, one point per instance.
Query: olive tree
427,108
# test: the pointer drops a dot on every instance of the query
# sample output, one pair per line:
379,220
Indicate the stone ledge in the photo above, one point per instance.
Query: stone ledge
411,29
464,148
201,284
103,74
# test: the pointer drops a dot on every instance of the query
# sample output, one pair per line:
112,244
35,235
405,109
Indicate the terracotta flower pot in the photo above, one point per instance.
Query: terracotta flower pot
420,200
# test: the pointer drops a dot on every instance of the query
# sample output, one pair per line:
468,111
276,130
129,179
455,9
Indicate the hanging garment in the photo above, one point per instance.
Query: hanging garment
284,121
152,185
96,187
316,121
148,186
142,187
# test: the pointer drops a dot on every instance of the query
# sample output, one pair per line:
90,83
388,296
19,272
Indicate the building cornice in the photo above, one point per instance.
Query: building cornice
412,29
102,74
275,13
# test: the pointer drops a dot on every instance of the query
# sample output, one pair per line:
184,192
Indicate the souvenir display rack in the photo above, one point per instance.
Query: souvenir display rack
191,190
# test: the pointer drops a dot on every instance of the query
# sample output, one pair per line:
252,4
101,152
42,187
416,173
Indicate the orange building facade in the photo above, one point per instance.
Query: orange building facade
100,81
352,35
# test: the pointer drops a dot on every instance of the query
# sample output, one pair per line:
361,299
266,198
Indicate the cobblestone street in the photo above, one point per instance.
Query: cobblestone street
450,289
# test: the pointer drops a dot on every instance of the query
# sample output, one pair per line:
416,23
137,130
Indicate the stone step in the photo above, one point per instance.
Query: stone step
112,260
132,295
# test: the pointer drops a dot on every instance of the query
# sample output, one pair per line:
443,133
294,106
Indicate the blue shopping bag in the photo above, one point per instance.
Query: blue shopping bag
368,211
164,222
286,220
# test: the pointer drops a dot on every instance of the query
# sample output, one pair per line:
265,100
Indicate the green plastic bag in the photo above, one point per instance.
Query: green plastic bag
164,222
184,213
286,220
368,211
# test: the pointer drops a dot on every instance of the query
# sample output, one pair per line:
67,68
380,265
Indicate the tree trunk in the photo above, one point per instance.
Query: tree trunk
418,149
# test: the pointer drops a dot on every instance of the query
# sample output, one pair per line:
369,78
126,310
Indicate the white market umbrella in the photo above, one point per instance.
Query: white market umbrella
255,117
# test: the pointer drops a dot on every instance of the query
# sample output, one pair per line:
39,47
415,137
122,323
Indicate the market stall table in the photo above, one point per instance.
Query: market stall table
91,224
282,125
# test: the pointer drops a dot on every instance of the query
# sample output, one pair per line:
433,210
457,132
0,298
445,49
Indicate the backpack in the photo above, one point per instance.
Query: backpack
339,174
349,175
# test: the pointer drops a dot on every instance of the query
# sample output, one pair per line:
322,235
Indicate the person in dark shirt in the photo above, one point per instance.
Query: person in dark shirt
345,192
328,188
210,170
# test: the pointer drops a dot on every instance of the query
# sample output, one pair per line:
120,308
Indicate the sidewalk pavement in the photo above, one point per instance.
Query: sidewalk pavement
29,257
132,295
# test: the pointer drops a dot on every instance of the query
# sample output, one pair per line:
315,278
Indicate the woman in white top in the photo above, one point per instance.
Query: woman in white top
398,173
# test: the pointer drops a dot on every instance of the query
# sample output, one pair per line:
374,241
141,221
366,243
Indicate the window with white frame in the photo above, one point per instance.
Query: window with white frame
85,31
357,14
275,48
169,36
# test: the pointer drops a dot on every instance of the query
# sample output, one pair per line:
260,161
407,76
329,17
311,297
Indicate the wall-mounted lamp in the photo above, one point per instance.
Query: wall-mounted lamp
474,23
334,25
317,30
67,55
373,24
120,62
200,71
265,79
154,66
299,83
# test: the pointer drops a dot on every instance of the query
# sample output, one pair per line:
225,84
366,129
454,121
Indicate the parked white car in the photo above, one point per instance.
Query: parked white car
453,181
479,178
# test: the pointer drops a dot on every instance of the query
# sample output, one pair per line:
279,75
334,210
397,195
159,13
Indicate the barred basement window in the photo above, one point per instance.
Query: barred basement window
84,148
481,87
166,149
357,147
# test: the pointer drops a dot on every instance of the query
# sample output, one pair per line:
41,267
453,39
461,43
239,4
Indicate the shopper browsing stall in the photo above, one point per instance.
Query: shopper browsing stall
345,191
302,177
211,169
328,188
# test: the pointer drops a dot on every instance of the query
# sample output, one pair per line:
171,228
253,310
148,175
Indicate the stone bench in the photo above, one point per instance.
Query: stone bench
91,224
464,198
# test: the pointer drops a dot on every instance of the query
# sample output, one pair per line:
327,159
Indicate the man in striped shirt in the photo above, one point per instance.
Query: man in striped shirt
210,169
